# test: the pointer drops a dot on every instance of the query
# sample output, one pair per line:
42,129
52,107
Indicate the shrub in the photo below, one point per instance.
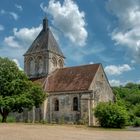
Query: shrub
137,122
133,98
136,110
111,115
131,117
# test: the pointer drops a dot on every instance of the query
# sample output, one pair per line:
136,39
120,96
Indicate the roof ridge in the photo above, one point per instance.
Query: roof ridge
81,66
55,47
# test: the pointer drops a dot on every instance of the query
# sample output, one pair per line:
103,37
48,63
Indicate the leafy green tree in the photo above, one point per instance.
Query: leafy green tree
128,96
111,115
16,91
133,98
136,122
131,86
136,110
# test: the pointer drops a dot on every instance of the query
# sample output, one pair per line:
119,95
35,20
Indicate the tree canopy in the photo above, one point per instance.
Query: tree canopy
130,93
128,96
16,91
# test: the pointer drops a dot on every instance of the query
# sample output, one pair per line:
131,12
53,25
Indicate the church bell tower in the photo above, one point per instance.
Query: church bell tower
44,55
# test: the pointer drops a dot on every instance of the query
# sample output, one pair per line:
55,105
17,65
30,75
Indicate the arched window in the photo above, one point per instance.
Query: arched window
31,67
54,61
56,105
75,104
40,65
60,62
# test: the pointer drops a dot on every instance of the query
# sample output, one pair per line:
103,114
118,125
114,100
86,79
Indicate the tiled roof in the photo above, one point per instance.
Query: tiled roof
40,80
77,78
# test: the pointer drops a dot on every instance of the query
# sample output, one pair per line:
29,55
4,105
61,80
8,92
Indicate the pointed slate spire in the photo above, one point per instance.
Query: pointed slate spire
45,41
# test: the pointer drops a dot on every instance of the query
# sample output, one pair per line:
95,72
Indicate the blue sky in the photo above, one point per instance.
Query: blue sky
88,31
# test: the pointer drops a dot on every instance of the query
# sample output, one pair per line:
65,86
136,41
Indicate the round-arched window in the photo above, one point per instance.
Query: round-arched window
60,62
40,65
54,61
31,66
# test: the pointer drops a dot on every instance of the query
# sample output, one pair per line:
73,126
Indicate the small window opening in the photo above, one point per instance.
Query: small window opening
56,105
75,104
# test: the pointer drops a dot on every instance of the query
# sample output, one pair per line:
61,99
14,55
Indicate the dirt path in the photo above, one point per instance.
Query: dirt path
56,132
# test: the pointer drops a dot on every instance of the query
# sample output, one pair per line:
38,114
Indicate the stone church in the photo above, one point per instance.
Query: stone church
73,92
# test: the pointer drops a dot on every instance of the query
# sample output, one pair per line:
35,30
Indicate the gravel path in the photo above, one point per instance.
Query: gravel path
58,132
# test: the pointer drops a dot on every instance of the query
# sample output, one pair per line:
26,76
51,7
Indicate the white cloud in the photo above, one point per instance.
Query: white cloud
117,70
14,15
27,35
69,19
115,82
2,11
19,7
133,61
1,27
17,62
22,37
18,43
10,41
128,31
91,62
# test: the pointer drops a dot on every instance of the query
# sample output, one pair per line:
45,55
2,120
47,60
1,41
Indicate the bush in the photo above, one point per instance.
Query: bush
136,110
111,115
131,117
137,122
133,98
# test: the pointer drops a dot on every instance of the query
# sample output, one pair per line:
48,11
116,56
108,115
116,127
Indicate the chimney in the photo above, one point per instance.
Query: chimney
45,24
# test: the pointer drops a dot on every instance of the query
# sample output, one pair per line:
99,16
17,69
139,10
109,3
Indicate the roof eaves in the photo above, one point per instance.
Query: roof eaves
69,92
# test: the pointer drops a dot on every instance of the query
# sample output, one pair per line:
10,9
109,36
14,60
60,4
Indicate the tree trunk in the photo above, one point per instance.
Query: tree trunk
4,118
4,113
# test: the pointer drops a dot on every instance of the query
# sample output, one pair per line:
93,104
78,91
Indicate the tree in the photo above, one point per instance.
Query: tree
136,110
131,86
133,98
16,91
111,115
128,96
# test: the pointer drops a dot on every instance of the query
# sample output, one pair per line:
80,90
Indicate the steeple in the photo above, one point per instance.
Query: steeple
44,55
45,24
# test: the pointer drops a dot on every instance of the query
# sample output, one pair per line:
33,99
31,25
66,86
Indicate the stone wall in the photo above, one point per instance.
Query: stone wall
39,69
102,91
66,114
43,63
55,61
35,115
